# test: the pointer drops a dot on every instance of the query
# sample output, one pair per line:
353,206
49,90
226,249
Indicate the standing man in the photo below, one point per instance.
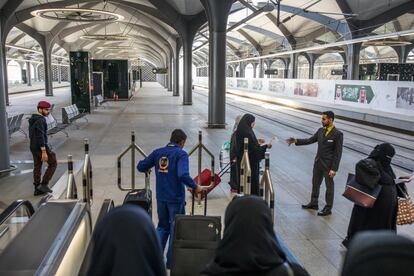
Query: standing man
172,173
327,159
40,149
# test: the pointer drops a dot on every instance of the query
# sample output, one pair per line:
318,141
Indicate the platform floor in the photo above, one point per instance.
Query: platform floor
153,113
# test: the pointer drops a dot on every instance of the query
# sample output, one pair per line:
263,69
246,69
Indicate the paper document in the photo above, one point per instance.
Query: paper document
404,180
274,139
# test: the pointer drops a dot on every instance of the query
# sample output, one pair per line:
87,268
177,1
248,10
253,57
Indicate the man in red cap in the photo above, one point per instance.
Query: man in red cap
40,149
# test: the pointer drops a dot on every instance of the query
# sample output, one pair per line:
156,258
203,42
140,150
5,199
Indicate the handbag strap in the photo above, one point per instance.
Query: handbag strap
406,195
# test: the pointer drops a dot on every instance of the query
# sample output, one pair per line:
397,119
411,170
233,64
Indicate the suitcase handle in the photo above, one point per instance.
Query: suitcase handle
205,201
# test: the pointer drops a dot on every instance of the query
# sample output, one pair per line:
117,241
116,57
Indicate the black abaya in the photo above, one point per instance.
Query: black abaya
256,152
125,243
249,245
383,215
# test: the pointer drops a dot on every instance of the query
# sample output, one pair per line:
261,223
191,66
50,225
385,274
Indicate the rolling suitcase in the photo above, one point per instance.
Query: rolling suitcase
195,239
206,178
140,197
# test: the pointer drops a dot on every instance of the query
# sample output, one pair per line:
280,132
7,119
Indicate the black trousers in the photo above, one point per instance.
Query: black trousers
37,167
318,175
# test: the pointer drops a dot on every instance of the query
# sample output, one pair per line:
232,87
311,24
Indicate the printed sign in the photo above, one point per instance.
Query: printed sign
354,93
257,85
405,98
277,86
242,84
307,89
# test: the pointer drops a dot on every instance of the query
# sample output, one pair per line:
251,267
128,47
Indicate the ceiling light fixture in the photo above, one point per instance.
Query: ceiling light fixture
120,47
105,37
78,15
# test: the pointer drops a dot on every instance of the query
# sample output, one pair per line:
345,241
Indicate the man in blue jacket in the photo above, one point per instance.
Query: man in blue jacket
172,173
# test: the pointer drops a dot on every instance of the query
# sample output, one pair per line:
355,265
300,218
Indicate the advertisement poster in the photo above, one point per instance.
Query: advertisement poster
257,85
242,84
405,98
307,89
354,93
277,86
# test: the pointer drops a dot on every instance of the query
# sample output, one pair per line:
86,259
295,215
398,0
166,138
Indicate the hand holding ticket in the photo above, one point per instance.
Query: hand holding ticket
404,179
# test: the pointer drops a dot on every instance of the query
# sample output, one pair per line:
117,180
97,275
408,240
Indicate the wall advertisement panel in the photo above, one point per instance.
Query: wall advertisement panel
384,96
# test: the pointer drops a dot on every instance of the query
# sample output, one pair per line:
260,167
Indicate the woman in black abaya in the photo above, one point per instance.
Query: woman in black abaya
383,215
249,245
256,151
125,243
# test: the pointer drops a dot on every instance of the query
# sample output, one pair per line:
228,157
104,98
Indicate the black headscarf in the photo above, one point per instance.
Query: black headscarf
249,245
125,243
383,154
244,129
379,253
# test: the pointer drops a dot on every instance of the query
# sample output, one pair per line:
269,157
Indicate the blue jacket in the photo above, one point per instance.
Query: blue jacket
171,171
37,132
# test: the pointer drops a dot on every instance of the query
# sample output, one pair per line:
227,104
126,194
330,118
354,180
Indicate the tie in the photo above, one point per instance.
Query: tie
325,131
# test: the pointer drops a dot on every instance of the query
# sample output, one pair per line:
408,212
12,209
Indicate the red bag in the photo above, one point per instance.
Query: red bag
206,180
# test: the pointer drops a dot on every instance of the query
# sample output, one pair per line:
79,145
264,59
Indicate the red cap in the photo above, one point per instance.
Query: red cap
43,104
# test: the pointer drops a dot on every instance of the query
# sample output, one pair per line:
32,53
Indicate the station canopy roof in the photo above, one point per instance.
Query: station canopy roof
149,29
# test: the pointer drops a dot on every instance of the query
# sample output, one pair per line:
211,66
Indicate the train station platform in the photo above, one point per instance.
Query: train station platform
153,113
376,117
37,86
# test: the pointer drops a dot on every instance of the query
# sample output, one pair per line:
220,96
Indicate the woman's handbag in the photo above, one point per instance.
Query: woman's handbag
405,213
361,194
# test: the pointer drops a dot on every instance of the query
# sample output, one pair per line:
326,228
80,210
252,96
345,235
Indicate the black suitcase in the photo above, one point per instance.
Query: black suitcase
195,239
140,197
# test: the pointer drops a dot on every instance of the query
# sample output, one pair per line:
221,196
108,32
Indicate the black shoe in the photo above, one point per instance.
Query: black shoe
45,188
325,212
345,242
38,192
310,206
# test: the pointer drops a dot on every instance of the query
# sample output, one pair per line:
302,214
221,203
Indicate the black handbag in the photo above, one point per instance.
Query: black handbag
359,194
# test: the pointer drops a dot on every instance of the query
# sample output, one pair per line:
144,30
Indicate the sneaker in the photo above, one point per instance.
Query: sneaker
38,192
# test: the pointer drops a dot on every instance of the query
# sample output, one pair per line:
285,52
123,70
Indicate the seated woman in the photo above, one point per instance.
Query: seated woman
249,245
379,253
125,243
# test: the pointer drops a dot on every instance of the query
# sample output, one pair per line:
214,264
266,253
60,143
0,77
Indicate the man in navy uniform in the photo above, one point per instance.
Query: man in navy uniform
172,174
327,159
40,149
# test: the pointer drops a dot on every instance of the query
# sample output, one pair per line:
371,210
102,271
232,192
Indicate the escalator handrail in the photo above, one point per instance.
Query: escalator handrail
107,205
12,208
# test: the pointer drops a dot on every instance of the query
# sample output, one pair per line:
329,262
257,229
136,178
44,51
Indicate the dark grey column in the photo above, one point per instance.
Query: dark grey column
170,72
28,73
312,59
47,66
59,72
402,52
293,74
352,60
176,90
188,65
286,72
261,68
4,132
217,12
5,86
254,70
242,67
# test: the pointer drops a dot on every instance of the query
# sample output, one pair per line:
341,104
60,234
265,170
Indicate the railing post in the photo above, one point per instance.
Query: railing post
245,170
71,189
133,160
266,182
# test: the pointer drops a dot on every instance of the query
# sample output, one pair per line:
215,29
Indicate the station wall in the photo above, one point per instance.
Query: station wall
384,96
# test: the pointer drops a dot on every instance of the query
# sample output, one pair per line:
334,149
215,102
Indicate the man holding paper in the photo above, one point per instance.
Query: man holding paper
327,160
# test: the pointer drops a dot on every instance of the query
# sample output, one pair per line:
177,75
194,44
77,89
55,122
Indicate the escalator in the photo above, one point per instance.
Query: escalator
54,240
